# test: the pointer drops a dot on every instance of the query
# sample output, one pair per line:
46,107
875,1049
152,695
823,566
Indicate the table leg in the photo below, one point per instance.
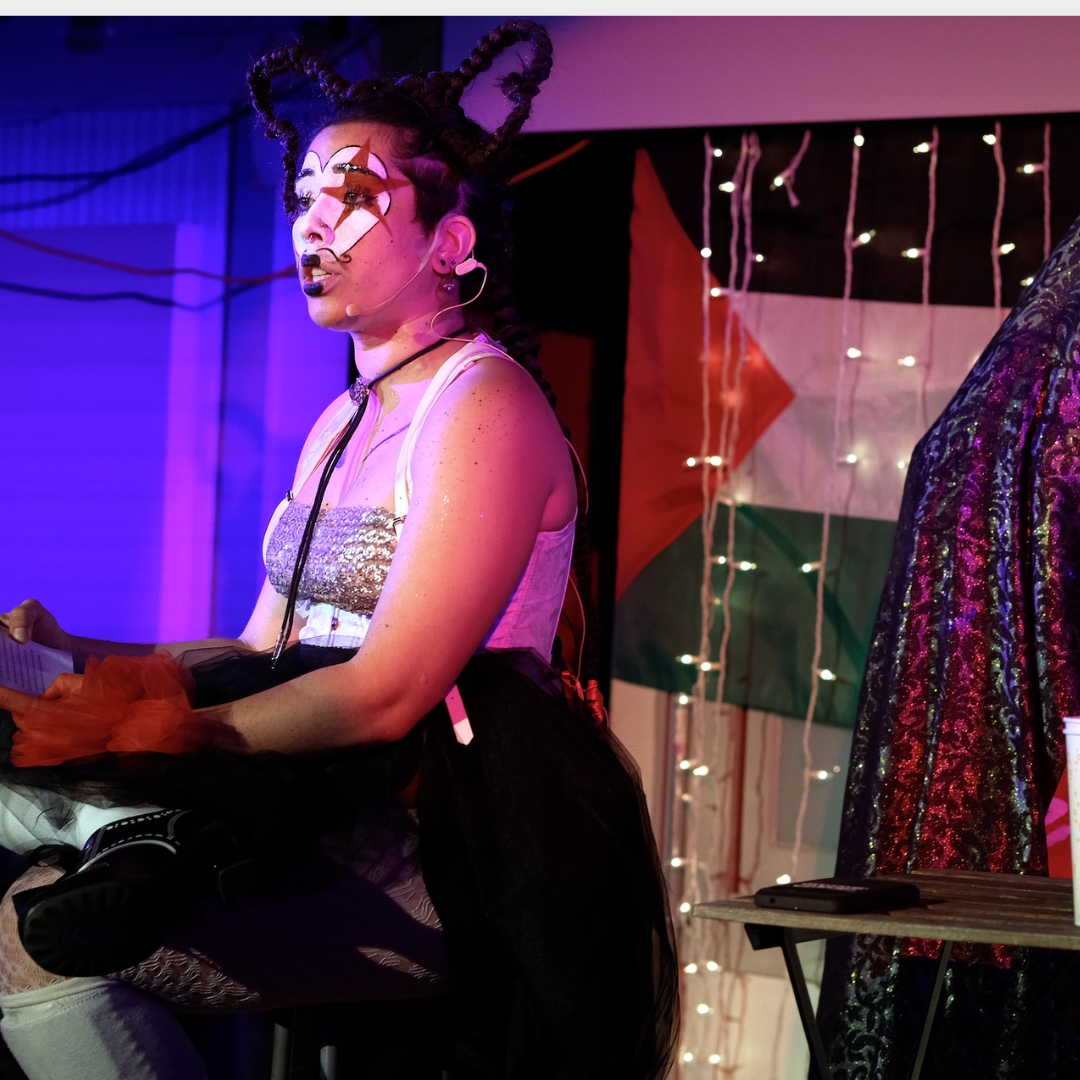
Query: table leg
928,1023
806,1010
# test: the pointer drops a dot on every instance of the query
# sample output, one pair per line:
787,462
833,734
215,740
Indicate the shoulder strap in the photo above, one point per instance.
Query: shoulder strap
316,453
460,362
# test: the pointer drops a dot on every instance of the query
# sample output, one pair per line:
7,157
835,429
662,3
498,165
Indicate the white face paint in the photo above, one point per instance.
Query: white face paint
341,201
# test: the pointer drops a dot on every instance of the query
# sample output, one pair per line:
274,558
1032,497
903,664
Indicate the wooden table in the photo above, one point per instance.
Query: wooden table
955,905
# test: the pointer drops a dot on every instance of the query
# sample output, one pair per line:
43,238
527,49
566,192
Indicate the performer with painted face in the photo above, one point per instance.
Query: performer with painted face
383,778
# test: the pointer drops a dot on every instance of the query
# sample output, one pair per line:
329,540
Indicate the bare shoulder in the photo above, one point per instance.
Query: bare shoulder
496,398
493,430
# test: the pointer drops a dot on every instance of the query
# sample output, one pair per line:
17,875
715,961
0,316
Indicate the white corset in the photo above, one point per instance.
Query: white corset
531,615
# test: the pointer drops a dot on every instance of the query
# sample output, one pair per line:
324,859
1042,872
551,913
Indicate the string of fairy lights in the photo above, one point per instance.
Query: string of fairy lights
710,783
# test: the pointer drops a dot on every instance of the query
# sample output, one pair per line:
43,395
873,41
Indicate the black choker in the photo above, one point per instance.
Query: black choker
360,389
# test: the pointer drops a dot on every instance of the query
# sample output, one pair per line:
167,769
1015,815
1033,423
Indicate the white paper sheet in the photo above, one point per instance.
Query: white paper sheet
30,667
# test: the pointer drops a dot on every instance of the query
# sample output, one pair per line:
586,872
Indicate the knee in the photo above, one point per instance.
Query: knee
17,971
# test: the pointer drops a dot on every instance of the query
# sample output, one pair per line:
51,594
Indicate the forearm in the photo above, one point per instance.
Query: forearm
324,710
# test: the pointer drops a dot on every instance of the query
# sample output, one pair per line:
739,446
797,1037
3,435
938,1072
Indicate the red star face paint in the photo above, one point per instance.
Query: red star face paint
341,201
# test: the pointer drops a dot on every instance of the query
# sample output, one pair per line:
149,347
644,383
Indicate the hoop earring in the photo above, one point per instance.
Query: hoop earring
454,307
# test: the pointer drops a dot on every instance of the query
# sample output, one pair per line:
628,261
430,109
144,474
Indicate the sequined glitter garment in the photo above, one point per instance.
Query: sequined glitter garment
974,661
349,559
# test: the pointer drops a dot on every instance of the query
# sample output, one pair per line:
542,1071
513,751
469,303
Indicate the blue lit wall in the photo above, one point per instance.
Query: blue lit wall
146,438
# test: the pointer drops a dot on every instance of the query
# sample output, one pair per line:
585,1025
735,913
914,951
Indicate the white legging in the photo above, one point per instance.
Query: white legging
86,1028
30,818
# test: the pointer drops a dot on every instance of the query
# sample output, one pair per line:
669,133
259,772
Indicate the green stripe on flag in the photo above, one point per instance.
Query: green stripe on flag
772,609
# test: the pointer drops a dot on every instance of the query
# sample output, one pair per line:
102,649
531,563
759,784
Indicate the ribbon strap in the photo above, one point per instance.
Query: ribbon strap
463,731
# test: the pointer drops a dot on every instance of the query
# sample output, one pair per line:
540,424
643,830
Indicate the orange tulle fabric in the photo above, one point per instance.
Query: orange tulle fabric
121,705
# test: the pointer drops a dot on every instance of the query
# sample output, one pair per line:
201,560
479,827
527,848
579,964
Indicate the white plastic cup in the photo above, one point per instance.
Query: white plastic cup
1072,753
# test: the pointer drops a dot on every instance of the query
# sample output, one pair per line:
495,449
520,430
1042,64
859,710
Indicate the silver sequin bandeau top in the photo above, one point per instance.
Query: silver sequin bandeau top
349,557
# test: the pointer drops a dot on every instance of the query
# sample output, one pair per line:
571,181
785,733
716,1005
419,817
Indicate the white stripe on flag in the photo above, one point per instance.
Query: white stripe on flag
790,464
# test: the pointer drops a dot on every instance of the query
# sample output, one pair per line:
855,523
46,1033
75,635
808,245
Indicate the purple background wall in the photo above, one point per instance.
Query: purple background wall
147,439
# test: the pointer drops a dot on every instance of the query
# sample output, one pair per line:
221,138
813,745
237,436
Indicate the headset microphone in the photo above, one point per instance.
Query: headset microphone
470,264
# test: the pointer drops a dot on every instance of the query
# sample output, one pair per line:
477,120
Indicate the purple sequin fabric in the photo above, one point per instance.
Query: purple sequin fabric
974,661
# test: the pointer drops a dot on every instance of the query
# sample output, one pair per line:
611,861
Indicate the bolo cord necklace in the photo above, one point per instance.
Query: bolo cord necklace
360,391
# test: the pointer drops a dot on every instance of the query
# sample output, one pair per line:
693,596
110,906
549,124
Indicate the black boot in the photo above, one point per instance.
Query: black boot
136,875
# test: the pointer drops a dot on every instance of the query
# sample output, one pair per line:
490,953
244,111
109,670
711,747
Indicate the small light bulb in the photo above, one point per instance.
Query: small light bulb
1007,249
747,565
859,140
810,567
715,460
1028,169
685,907
784,879
990,139
922,148
688,1057
906,361
716,291
822,774
703,1009
686,658
911,253
727,186
684,699
717,152
849,459
705,665
1025,282
702,770
778,181
706,252
712,965
759,258
825,675
690,969
715,1059
854,354
691,462
836,768
865,237
720,560
684,765
901,464
676,862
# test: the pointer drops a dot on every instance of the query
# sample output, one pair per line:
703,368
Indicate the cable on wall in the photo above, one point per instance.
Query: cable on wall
819,594
786,179
995,234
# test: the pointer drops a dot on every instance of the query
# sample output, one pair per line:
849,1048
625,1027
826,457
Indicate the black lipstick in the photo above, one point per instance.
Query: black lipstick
310,260
313,288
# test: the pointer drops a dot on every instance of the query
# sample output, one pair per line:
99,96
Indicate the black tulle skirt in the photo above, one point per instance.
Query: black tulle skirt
535,847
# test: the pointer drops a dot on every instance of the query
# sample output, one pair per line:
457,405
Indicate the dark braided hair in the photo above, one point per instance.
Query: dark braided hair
454,165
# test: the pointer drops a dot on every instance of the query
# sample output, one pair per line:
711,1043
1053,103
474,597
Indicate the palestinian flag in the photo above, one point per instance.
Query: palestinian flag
911,359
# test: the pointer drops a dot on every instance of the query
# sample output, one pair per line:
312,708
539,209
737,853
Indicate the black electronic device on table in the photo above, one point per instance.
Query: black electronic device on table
839,896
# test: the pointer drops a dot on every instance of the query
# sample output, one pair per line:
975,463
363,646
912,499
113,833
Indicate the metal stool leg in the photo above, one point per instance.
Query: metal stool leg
931,1012
818,1057
328,1062
279,1062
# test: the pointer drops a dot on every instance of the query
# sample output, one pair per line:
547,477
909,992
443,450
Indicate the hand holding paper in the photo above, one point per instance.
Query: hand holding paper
31,668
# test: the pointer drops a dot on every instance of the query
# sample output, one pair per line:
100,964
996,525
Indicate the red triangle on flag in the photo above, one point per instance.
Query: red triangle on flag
662,407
